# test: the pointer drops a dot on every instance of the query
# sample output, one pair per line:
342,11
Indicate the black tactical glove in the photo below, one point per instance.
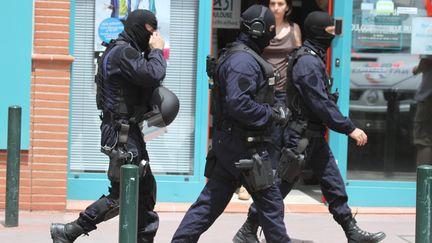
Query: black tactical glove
281,114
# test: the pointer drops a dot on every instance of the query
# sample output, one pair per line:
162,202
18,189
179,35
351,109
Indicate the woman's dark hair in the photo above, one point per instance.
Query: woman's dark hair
287,16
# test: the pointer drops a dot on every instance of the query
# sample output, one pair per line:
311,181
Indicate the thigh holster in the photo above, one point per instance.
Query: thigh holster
290,165
117,157
257,172
117,153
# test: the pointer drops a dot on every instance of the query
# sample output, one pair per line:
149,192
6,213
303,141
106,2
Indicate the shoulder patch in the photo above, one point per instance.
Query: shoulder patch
131,53
243,84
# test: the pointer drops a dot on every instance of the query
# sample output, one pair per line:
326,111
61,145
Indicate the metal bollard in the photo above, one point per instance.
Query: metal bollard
424,204
129,185
13,166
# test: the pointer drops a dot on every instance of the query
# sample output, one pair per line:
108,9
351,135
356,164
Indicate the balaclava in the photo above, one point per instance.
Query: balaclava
314,26
258,23
135,27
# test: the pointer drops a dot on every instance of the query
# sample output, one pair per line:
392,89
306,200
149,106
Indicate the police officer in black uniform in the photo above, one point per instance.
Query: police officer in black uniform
243,114
131,68
314,108
312,102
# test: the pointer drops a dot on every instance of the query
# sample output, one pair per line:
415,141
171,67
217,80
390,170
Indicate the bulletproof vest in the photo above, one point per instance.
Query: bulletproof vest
265,91
101,77
292,94
114,93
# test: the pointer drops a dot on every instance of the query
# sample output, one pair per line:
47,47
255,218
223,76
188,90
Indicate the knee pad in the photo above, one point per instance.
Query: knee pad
103,209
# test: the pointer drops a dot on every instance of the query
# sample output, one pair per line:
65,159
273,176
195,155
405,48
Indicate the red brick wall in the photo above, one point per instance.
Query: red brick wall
25,188
43,176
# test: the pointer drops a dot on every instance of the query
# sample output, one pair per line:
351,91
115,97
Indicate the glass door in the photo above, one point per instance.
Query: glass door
383,87
377,92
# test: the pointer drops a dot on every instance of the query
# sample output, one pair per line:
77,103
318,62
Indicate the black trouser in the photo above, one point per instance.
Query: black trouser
218,192
100,210
323,164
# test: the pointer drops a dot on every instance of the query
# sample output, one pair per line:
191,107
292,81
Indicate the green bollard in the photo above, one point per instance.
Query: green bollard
424,204
13,166
129,185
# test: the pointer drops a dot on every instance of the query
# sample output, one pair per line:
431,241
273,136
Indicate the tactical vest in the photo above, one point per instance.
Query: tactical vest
292,94
265,91
102,76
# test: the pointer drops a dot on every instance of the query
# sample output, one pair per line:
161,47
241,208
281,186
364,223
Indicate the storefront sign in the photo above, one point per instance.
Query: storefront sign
421,36
226,14
110,14
377,32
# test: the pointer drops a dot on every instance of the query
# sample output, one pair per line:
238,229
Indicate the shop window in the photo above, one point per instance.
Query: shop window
170,154
382,88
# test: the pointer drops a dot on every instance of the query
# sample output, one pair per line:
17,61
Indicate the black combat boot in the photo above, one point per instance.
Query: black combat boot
144,240
247,233
66,233
356,235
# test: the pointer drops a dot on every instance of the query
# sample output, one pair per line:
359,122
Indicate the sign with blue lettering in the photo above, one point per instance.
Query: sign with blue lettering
110,28
421,36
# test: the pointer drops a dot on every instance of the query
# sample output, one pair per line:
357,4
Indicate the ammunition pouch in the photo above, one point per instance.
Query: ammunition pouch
257,172
99,90
210,163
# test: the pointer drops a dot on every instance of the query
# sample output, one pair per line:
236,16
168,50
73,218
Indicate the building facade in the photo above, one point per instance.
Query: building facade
53,65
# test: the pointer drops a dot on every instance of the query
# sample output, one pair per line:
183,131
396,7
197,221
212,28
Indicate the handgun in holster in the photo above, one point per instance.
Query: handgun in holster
257,172
292,162
117,157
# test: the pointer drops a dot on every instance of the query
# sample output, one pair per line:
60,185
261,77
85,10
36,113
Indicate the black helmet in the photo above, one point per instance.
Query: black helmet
167,103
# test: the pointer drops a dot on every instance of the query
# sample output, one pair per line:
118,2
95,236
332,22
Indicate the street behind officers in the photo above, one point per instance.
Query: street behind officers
314,108
243,113
131,68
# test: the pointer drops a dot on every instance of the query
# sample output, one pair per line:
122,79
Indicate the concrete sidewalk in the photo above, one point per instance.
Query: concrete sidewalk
302,227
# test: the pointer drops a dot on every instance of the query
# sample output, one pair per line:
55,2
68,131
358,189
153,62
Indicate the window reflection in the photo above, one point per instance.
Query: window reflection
382,89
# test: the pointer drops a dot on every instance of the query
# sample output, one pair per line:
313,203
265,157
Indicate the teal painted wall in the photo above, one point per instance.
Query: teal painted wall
16,25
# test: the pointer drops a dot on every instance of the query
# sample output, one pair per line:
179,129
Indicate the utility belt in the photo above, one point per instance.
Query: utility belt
249,136
107,116
256,170
120,123
118,153
307,129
